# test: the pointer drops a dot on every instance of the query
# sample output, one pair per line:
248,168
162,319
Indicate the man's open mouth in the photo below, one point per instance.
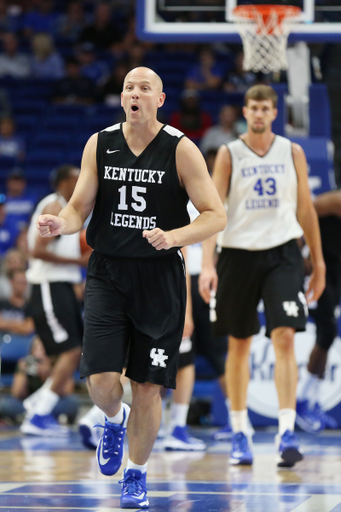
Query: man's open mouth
134,108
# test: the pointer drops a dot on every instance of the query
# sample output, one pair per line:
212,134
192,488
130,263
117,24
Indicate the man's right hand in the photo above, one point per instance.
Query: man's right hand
49,225
208,281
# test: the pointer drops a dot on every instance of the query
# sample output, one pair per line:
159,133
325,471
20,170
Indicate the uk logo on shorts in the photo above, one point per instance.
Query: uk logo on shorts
158,357
291,308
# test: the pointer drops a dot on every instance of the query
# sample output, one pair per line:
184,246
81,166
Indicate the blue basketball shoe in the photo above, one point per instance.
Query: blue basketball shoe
307,419
327,420
109,452
223,434
288,450
134,490
43,425
180,439
241,453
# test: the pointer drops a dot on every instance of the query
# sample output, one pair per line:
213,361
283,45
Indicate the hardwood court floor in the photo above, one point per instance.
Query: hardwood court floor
42,475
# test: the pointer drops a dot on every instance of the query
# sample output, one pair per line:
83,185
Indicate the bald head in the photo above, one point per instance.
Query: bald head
146,74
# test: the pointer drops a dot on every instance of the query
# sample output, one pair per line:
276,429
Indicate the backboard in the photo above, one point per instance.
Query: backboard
212,20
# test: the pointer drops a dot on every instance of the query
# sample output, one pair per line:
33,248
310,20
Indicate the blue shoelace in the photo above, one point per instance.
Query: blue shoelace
112,439
132,486
241,444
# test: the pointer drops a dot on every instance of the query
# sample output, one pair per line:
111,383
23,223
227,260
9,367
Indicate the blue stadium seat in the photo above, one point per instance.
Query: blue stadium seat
7,162
13,347
44,161
26,124
74,156
49,141
29,106
34,88
11,351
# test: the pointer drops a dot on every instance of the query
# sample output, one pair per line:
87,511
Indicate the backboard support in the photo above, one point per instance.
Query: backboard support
151,26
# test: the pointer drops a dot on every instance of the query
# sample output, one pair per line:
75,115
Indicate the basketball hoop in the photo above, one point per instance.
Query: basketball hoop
264,30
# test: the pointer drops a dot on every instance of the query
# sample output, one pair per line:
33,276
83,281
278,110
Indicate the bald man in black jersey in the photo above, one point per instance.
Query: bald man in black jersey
136,177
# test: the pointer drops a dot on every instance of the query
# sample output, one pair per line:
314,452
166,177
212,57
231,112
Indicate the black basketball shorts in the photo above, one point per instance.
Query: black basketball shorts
213,348
245,277
57,317
134,307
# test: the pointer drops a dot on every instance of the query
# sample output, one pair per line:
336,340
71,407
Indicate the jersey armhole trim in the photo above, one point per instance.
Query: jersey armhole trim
230,178
293,160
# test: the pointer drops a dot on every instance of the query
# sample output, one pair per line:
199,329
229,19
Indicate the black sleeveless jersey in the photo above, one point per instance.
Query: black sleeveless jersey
136,193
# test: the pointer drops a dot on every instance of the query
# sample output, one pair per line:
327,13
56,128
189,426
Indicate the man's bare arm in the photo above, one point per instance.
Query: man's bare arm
328,203
41,250
208,280
194,176
72,217
307,218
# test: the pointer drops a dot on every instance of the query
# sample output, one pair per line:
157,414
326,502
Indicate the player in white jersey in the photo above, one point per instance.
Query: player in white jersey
263,178
53,271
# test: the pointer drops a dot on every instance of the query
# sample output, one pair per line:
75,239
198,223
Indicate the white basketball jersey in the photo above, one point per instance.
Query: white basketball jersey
67,246
262,199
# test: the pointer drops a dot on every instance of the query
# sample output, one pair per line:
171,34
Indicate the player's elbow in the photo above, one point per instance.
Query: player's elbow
221,219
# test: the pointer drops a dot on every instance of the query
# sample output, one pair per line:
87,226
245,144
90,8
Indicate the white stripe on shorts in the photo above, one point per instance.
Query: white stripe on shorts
58,332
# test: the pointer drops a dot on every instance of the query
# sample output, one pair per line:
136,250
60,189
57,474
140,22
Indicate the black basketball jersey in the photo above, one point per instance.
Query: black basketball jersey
136,193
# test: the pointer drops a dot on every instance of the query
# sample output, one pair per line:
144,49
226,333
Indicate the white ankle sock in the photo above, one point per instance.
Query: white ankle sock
178,415
239,421
286,420
47,401
118,418
132,465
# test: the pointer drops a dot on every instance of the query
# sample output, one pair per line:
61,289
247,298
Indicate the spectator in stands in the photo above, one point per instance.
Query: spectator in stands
21,243
91,66
223,132
46,61
239,80
103,32
20,202
8,231
53,269
74,88
190,118
71,23
11,145
42,18
13,260
30,374
136,55
12,62
9,19
111,90
14,313
207,74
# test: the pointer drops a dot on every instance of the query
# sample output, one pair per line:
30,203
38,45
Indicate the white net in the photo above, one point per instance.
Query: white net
265,38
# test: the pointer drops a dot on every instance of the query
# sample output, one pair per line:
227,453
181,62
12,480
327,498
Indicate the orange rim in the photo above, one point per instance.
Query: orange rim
251,12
